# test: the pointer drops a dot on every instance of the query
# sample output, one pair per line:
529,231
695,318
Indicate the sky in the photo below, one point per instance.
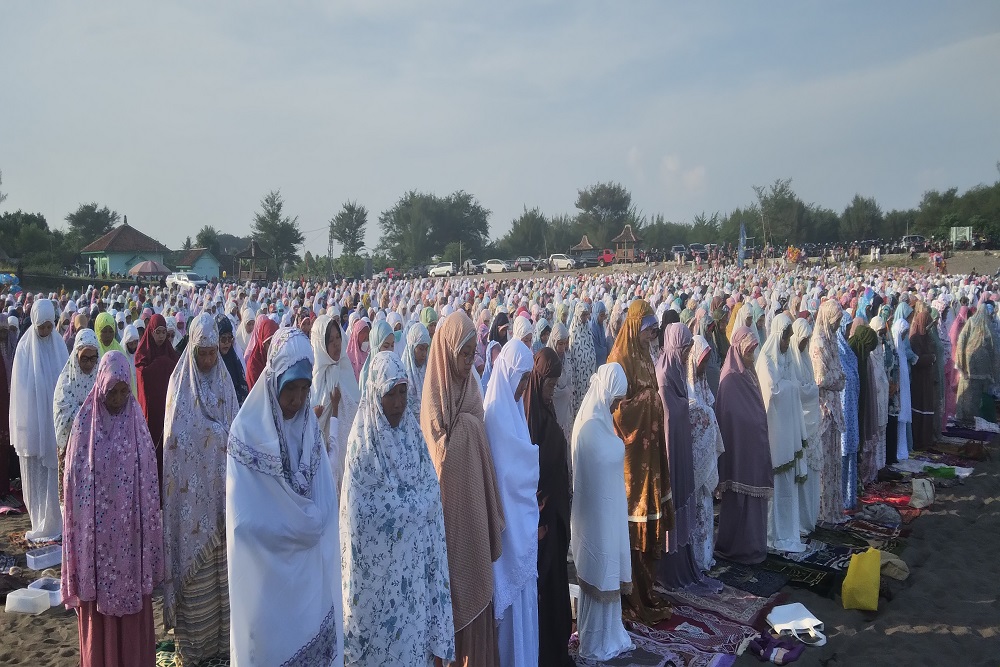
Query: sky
184,114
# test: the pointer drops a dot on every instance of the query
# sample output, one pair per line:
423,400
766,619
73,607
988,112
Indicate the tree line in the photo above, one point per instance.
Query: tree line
420,226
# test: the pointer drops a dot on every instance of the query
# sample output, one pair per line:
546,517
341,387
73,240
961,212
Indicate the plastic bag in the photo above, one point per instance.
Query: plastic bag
860,590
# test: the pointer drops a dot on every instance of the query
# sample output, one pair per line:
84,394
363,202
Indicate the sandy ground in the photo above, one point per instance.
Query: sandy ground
946,613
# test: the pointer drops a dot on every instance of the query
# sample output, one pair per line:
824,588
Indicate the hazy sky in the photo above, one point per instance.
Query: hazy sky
181,114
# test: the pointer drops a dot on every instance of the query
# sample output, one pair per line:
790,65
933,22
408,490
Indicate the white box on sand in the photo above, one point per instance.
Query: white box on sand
51,586
39,559
27,601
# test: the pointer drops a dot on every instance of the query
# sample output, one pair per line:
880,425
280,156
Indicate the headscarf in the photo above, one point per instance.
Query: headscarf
389,474
515,458
863,341
199,410
381,331
741,414
72,388
707,440
581,354
37,365
451,419
232,360
327,375
671,377
601,345
257,355
543,426
106,320
417,334
113,542
562,397
541,326
355,353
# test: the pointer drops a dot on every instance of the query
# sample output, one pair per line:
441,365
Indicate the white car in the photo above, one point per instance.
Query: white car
186,281
561,262
496,266
442,269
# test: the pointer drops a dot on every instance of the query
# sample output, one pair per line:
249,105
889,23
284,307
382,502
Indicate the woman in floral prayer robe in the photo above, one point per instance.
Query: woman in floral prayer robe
201,405
829,374
392,535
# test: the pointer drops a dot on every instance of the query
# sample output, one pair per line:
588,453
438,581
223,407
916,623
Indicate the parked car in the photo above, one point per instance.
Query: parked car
914,241
389,273
496,266
678,249
697,250
186,280
471,267
526,263
415,272
606,257
584,259
561,262
442,269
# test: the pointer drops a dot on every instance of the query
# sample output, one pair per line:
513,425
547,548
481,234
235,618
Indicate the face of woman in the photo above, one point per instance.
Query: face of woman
248,326
87,358
206,358
702,365
116,399
614,404
305,326
585,317
466,358
159,335
431,327
561,347
603,315
747,354
107,335
45,330
293,396
548,389
132,346
388,345
647,335
394,404
333,341
225,343
545,336
521,387
786,337
803,344
420,354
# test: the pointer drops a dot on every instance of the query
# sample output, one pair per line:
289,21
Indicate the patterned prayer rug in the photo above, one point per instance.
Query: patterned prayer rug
651,653
825,556
732,603
821,582
18,541
749,578
701,629
165,657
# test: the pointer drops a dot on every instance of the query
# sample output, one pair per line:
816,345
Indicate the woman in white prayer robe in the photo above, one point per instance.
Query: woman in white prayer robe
813,451
38,361
599,538
282,532
780,390
515,458
333,378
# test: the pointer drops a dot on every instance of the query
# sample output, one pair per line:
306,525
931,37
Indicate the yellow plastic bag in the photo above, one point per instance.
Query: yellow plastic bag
860,590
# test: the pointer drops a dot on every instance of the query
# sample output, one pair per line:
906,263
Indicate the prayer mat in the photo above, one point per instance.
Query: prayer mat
970,434
749,578
18,541
969,450
896,494
944,459
165,657
651,653
825,556
732,603
908,513
843,536
701,629
821,582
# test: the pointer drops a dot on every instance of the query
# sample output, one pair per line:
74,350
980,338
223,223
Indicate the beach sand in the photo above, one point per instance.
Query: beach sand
946,613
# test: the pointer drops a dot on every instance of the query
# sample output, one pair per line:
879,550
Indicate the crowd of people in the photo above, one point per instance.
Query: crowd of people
397,472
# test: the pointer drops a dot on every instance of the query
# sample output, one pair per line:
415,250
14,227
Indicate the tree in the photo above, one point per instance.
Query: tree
348,228
187,244
279,235
783,213
860,219
208,237
90,222
420,225
527,235
604,210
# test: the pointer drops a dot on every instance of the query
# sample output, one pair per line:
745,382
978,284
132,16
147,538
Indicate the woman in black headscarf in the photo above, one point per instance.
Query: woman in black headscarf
555,621
232,360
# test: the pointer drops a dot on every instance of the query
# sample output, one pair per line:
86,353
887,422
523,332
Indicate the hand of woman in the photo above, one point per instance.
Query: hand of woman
318,411
335,402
